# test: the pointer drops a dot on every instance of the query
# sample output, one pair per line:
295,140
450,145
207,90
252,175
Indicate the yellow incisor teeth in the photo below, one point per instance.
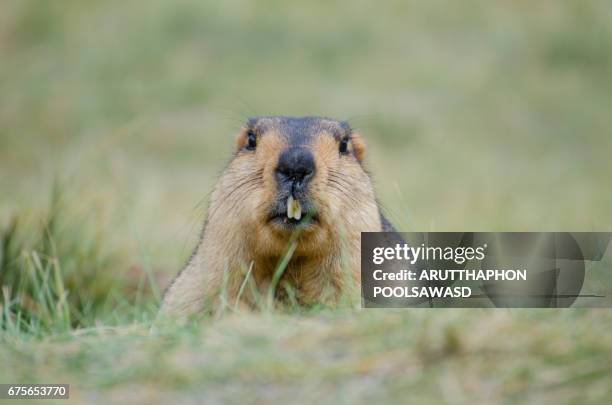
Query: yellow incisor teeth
294,210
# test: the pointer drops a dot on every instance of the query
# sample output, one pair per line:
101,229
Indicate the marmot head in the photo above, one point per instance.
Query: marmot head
298,174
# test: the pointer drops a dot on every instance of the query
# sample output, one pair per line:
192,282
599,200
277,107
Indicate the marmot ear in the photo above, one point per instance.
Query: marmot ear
359,146
241,139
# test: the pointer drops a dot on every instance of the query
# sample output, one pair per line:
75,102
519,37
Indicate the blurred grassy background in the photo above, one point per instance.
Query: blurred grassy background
479,116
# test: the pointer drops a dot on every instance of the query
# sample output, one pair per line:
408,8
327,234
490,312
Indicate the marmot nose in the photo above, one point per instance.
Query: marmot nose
295,165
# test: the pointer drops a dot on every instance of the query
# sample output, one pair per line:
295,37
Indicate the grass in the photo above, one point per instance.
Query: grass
56,276
116,117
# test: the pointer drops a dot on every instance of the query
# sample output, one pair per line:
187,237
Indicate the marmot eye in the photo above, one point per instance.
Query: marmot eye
344,145
251,140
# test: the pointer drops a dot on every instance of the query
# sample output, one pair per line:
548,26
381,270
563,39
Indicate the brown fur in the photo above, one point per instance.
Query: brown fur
236,241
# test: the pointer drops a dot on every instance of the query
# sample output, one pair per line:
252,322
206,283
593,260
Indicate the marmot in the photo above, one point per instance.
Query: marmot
286,214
